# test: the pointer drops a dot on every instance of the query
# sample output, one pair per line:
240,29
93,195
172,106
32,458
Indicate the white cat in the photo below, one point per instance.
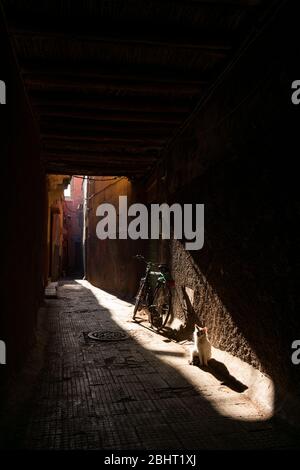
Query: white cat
202,347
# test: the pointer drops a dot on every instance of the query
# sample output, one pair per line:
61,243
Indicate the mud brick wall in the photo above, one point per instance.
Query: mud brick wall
23,217
237,156
110,263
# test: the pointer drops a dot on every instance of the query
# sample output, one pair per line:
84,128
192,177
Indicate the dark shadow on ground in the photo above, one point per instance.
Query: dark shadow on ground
221,373
119,395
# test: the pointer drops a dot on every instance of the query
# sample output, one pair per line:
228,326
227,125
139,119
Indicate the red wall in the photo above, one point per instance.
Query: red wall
73,227
23,215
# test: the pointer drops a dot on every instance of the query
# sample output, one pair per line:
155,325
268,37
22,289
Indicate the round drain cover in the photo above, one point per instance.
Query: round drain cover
108,335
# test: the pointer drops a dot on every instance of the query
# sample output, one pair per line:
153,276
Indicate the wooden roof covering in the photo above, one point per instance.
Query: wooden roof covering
111,81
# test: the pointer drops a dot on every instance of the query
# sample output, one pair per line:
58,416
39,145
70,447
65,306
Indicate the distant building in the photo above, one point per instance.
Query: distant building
56,184
73,228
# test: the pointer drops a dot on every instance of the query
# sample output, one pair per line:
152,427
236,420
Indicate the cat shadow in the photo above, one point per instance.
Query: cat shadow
221,373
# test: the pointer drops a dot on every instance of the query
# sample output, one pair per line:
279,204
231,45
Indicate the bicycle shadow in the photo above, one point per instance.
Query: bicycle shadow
185,331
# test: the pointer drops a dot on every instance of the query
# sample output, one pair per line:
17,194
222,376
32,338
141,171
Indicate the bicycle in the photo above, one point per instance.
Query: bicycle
157,301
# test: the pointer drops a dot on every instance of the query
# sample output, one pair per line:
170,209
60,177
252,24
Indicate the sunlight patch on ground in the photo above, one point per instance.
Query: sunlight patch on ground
223,399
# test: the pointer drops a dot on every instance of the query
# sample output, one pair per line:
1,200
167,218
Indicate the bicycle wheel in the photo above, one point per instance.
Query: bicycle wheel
139,298
161,306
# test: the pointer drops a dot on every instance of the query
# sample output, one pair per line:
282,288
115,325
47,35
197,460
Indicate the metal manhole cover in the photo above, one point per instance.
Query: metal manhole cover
108,335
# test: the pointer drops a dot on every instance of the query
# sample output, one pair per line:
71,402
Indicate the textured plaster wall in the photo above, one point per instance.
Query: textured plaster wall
110,263
237,156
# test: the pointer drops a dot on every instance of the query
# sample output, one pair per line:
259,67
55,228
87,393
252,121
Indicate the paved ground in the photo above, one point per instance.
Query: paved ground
139,393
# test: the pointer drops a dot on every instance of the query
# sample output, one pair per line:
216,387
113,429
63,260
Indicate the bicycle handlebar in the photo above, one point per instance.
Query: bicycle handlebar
142,258
139,257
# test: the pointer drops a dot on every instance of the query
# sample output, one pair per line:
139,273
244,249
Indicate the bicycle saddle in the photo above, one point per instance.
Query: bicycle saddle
163,267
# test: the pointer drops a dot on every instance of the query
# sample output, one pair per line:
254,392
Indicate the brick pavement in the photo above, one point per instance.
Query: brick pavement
139,393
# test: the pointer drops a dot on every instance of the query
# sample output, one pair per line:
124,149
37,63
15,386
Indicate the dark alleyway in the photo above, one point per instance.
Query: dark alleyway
188,107
134,394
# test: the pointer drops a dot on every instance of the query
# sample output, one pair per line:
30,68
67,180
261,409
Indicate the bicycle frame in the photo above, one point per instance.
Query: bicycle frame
146,293
162,277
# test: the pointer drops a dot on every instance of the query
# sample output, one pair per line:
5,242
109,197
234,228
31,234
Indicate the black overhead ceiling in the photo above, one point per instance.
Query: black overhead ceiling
111,81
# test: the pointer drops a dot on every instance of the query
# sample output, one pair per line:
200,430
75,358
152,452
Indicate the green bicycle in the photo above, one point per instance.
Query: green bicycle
156,301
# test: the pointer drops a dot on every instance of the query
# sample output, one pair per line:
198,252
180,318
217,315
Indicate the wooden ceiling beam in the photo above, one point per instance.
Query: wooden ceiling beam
117,35
93,70
139,130
90,137
120,103
55,169
58,112
94,169
199,3
83,155
95,149
70,84
103,147
97,161
113,159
